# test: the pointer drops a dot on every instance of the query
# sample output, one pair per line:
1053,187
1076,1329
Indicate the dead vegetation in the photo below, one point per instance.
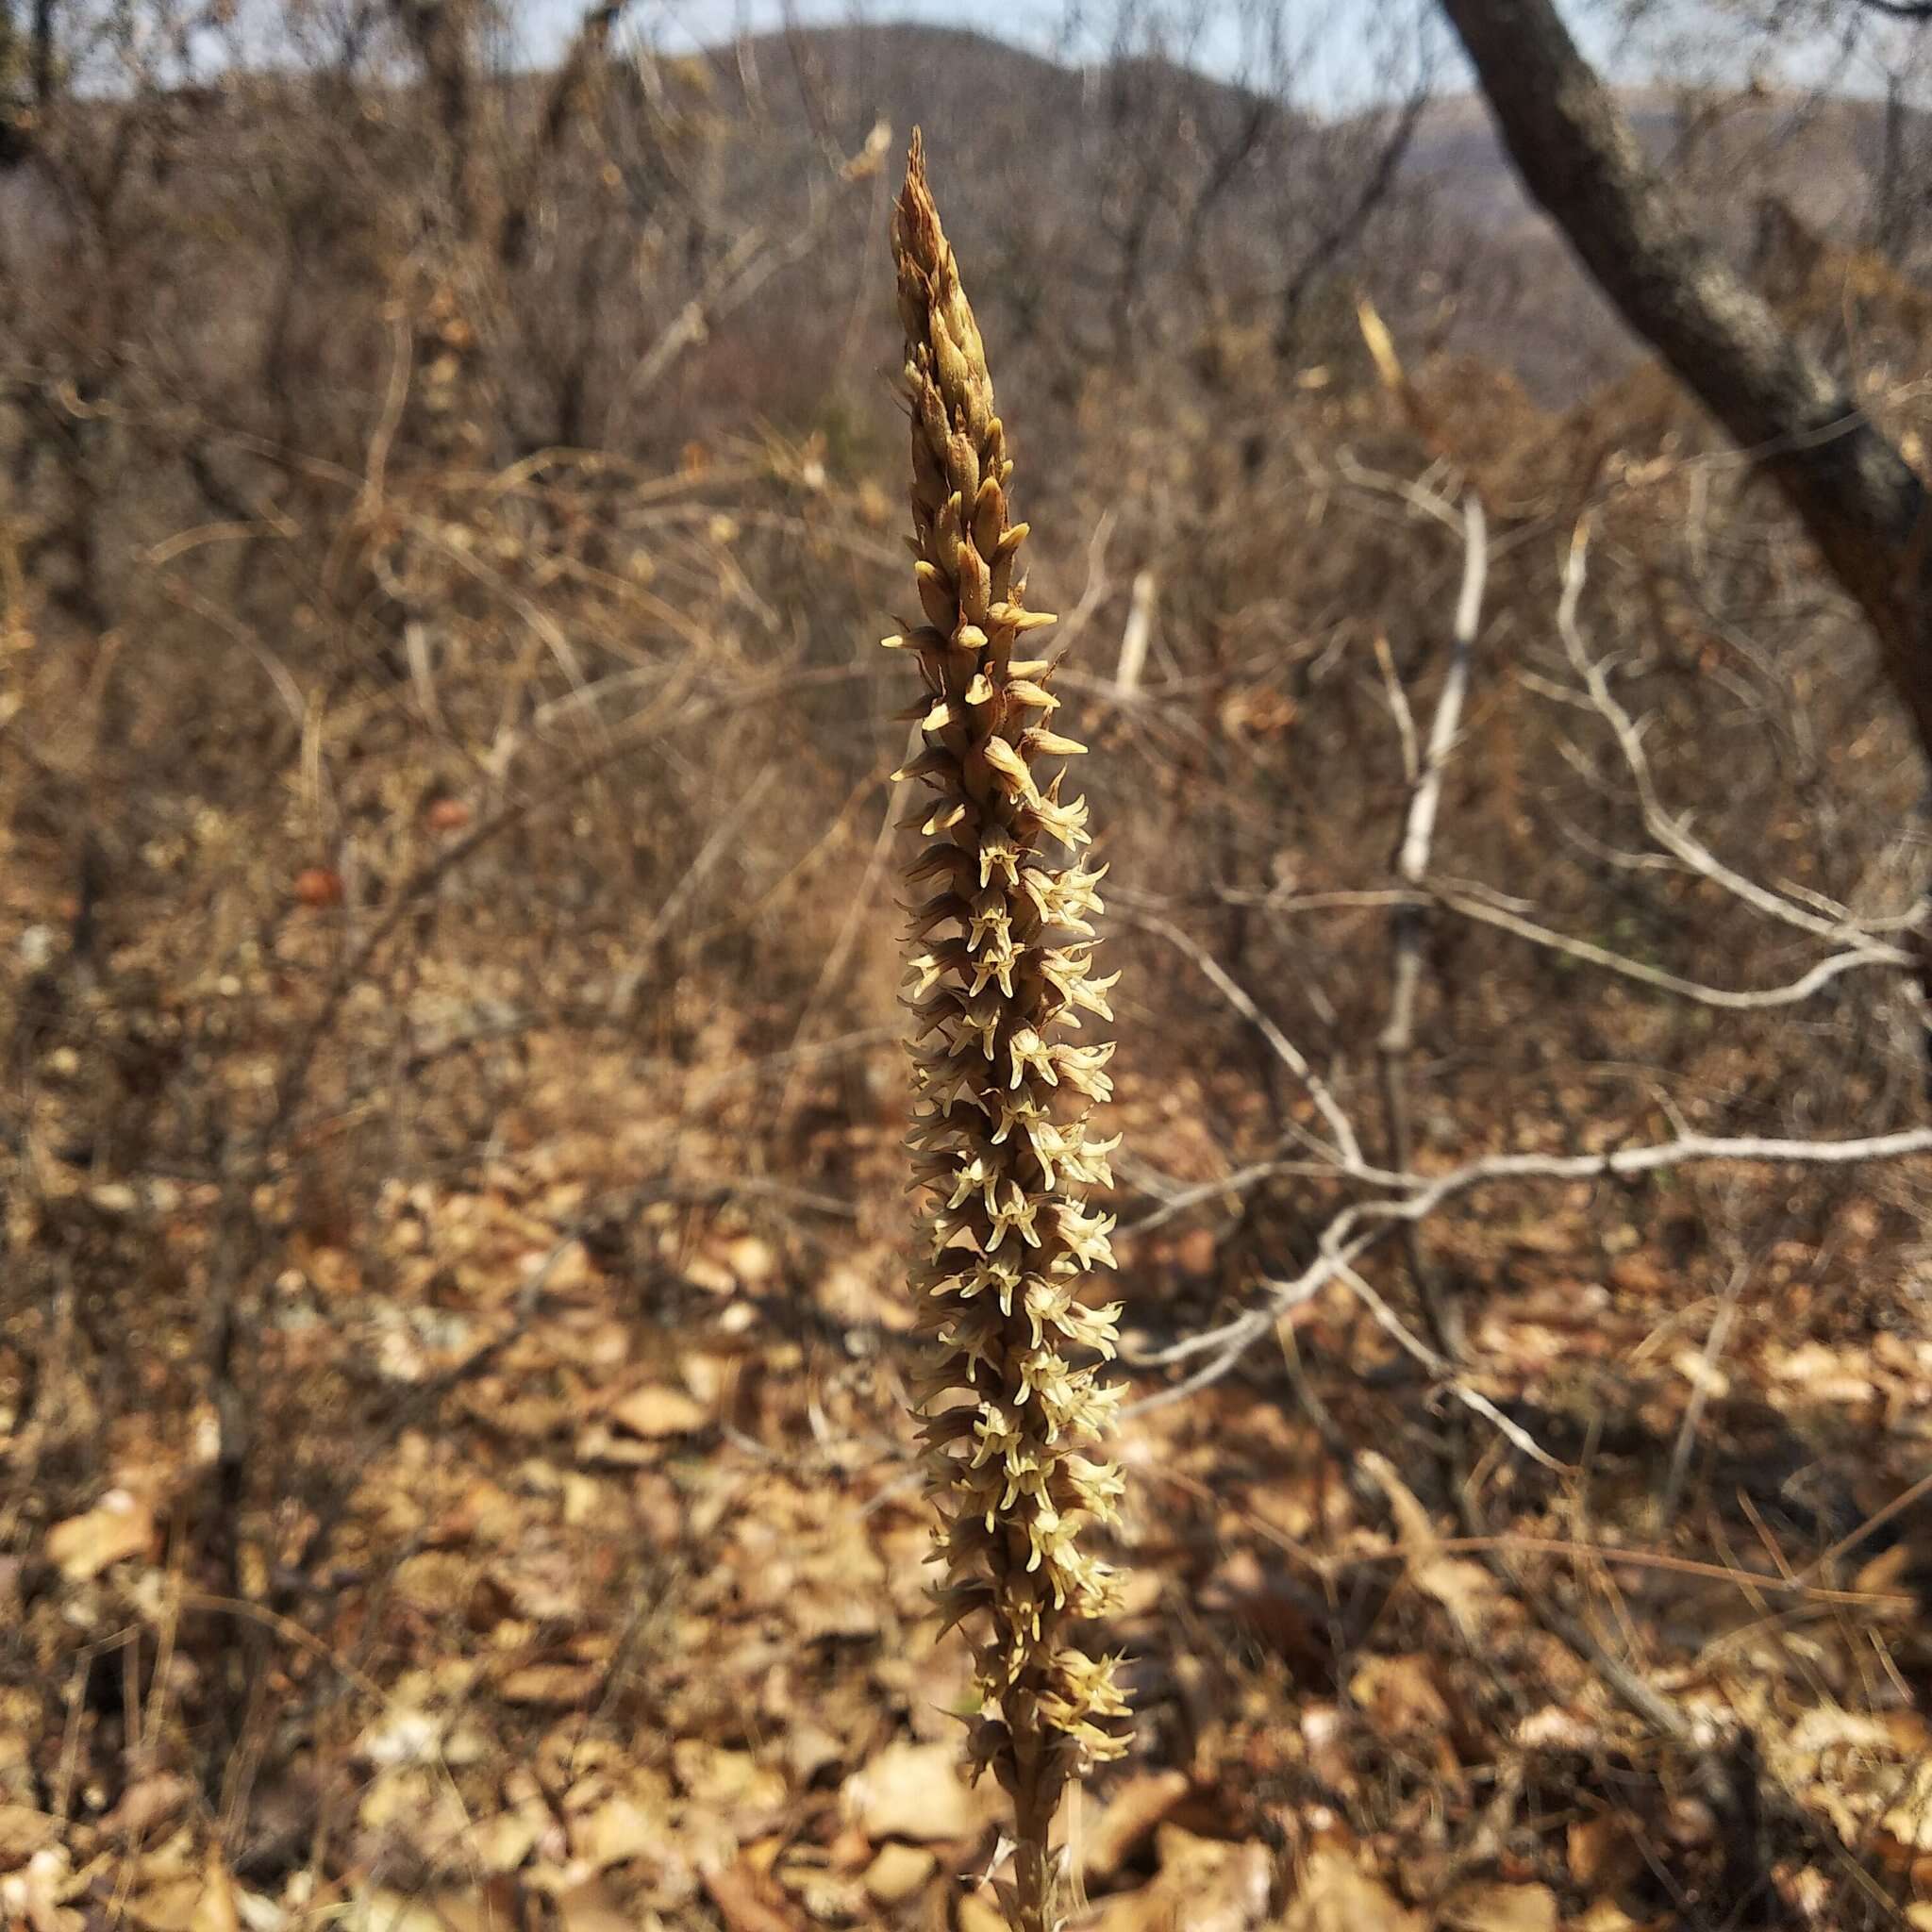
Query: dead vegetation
453,1334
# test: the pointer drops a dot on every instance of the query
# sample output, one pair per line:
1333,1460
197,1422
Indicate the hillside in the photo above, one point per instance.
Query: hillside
1030,139
457,829
1109,181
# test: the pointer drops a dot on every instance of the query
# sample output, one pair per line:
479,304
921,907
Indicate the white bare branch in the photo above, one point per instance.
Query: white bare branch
1359,1226
1835,924
1467,906
1396,1042
1346,1150
1420,828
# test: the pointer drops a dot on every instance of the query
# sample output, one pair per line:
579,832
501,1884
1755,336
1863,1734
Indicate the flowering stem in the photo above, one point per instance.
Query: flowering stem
1002,971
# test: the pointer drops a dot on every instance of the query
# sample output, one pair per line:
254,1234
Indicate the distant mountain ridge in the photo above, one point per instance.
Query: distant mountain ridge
1083,191
1008,125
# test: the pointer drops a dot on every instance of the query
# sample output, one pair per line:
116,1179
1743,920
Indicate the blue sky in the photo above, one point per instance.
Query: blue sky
1347,39
1342,36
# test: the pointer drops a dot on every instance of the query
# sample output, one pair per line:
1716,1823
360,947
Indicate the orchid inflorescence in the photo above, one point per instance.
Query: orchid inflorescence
1002,971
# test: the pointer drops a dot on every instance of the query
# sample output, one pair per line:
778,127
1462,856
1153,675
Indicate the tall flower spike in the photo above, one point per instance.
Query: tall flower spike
1000,1129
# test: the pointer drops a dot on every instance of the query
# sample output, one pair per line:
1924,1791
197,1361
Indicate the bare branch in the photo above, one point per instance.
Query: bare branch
1735,1000
1347,1148
1362,1224
1689,852
1412,1344
1862,503
1397,1042
1420,830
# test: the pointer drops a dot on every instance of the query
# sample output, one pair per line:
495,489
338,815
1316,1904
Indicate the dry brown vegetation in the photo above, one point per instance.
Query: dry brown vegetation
454,1340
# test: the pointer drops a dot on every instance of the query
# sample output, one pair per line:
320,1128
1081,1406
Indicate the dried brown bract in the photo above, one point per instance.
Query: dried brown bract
1002,971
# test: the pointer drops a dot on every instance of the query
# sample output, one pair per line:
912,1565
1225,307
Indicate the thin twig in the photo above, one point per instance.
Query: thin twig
1700,1391
1395,1048
1732,999
1693,853
1347,1147
1362,1224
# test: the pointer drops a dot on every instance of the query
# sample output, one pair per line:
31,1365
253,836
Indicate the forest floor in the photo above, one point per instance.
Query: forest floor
582,1580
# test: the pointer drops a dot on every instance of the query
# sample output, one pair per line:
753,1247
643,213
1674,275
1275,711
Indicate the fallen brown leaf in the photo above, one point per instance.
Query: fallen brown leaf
1336,1895
913,1791
23,1831
1205,1884
977,1913
1603,1851
655,1413
1493,1907
1400,1697
556,1686
36,1897
617,1830
1464,1588
146,1803
746,1903
1140,1805
592,1908
1606,1915
193,1901
119,1525
898,1871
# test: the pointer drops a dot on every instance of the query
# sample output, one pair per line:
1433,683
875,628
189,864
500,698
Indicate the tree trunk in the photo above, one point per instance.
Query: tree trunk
1863,504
